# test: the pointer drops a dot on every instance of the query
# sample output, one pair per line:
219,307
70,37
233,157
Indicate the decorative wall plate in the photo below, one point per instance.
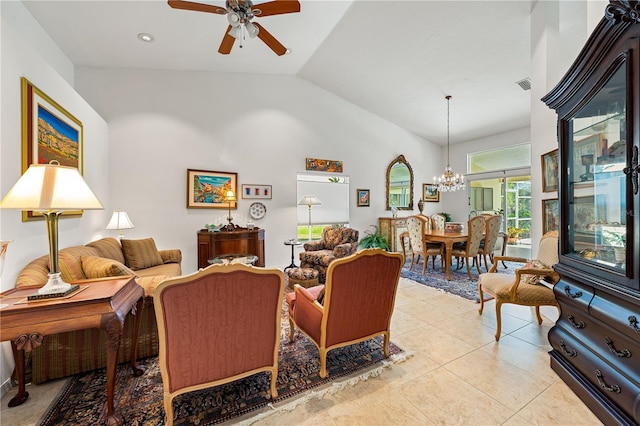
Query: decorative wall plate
257,210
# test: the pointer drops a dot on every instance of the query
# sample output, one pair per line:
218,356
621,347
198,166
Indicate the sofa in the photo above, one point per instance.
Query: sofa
336,242
69,353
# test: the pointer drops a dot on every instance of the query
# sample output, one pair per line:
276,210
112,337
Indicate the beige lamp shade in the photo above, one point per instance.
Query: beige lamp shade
51,189
230,195
46,187
120,220
309,200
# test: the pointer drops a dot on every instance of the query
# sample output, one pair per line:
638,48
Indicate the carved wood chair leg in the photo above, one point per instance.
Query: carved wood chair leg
538,316
481,297
323,363
274,378
468,269
292,330
168,410
386,345
498,320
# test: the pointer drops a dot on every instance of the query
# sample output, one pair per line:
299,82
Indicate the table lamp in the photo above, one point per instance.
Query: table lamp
120,220
51,189
309,200
230,197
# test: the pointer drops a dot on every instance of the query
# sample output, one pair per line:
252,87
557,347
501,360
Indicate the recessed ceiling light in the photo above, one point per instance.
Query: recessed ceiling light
146,37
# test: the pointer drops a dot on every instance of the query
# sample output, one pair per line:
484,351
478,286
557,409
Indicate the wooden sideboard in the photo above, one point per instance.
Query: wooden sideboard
240,240
392,227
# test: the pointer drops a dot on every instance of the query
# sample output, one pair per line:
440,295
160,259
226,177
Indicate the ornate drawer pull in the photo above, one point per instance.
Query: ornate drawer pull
603,385
566,351
633,322
625,353
577,294
573,322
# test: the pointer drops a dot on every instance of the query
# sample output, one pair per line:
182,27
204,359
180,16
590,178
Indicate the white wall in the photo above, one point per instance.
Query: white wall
29,56
261,127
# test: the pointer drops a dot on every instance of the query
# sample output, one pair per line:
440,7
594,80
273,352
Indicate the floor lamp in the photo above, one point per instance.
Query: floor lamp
51,189
309,200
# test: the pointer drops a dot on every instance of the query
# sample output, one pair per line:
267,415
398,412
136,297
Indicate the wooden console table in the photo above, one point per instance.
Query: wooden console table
102,304
240,240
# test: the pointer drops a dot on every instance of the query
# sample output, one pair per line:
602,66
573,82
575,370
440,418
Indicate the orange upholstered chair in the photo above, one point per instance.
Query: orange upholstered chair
216,326
357,302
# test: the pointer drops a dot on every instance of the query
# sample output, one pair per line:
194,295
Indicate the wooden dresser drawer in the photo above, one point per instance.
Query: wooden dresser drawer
610,383
574,319
573,293
619,314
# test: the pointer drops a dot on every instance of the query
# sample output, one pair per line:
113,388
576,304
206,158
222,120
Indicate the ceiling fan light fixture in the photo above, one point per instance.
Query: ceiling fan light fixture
234,18
236,32
252,29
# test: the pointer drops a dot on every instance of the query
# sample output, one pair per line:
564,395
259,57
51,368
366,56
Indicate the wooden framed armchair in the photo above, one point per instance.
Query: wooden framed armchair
357,302
419,246
218,325
336,242
523,288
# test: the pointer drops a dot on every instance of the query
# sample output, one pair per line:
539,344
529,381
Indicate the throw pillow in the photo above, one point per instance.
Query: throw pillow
101,267
141,254
320,297
533,278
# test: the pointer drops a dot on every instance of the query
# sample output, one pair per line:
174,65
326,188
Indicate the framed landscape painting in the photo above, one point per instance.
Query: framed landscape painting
49,134
206,189
550,171
430,193
550,218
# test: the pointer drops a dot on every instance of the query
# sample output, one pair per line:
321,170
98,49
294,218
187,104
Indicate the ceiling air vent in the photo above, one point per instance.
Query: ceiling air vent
525,83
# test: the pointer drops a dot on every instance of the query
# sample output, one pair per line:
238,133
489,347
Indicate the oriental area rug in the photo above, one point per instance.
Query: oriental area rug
460,284
140,399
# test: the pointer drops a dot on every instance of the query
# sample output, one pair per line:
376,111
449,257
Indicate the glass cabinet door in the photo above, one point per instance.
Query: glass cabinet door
596,157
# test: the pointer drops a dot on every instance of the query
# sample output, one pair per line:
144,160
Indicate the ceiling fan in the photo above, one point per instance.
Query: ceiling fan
239,14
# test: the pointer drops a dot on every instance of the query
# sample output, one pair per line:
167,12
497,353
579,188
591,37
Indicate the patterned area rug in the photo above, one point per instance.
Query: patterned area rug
460,283
140,399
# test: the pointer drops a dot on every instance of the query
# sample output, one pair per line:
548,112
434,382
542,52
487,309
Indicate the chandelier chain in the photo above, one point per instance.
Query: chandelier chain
449,181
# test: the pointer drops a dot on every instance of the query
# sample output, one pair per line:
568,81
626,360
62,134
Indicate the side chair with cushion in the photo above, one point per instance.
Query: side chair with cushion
357,302
216,326
523,288
336,242
416,226
469,249
488,244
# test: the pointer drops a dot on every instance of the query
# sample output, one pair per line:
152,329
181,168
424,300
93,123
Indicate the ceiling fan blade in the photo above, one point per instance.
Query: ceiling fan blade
276,7
198,7
270,40
227,42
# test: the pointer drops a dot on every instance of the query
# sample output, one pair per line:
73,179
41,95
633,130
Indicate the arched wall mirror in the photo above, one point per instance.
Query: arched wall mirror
400,184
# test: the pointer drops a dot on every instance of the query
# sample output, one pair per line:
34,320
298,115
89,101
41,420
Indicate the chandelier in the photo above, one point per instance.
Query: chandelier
449,181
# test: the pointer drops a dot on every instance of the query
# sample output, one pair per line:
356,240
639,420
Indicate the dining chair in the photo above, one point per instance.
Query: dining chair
488,244
469,249
419,246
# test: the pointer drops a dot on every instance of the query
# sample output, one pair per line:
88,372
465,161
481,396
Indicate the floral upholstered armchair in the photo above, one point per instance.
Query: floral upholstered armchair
336,242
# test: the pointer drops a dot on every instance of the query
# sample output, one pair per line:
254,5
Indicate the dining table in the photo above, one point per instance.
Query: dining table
447,238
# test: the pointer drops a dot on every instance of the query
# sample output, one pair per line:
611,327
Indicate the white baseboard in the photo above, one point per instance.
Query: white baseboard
5,387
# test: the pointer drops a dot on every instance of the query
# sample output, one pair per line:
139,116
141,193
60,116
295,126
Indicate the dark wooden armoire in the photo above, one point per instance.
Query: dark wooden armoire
596,340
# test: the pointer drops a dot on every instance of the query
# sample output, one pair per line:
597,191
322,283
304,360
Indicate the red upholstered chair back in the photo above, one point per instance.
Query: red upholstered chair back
359,295
218,325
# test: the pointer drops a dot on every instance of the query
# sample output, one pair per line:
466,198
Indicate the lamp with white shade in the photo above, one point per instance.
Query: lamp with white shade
51,189
309,200
230,197
120,220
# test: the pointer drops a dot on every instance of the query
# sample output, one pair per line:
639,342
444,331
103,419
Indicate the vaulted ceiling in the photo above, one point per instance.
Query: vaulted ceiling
397,59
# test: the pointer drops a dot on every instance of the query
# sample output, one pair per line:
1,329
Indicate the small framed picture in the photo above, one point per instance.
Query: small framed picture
550,171
430,193
363,197
207,189
550,218
256,191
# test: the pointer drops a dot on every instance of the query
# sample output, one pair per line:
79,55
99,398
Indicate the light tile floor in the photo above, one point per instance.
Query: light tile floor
458,374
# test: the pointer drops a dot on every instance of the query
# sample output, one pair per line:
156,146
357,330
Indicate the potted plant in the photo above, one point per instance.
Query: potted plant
374,240
513,234
617,240
447,216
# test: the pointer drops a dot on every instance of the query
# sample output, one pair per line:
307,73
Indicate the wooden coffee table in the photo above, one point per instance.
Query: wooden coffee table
102,304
